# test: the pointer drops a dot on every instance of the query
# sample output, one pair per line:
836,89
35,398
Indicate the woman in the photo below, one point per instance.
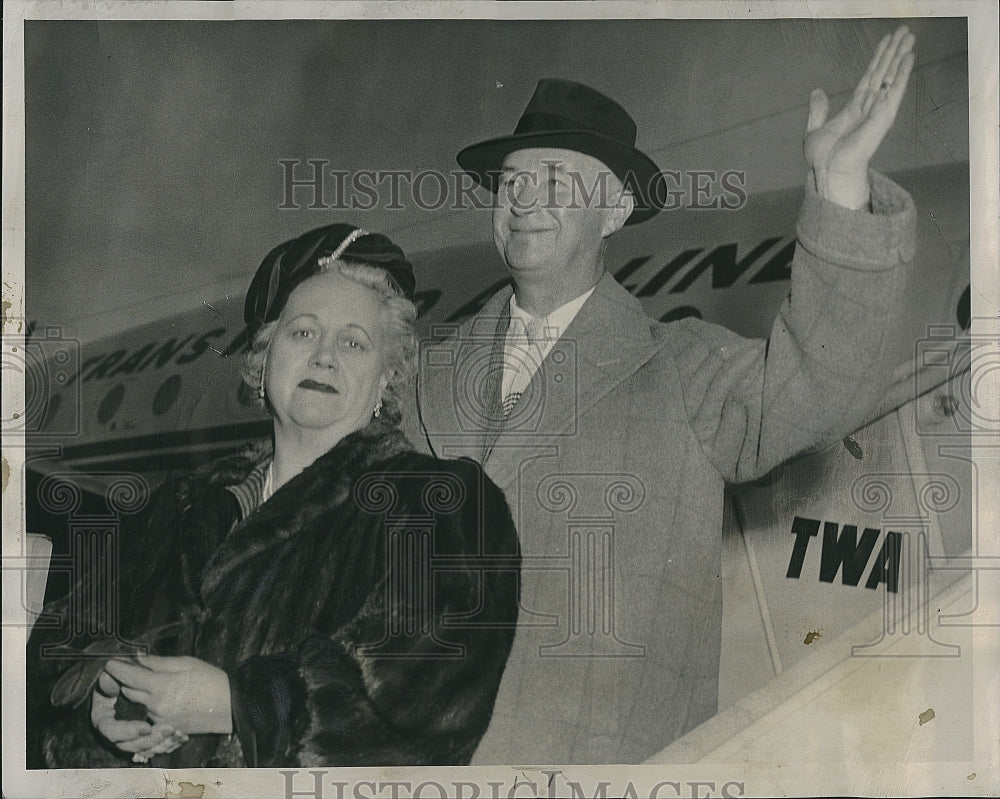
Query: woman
331,598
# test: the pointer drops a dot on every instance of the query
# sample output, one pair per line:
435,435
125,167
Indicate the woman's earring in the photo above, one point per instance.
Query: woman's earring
260,388
378,408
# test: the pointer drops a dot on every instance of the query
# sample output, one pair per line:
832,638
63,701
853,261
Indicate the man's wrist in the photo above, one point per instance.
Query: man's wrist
847,189
872,241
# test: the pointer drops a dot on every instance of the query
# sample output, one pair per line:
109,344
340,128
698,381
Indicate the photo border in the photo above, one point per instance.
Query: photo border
755,779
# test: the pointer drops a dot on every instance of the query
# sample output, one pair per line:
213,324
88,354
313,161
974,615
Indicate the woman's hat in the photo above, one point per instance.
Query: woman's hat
294,261
572,116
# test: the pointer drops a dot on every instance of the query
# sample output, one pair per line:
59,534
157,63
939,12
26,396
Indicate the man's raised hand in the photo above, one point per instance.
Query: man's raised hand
838,151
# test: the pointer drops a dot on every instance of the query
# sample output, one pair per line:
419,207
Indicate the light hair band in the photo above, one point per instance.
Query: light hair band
355,234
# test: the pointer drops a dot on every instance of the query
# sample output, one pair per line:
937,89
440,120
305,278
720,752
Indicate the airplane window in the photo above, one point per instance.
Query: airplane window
166,395
110,404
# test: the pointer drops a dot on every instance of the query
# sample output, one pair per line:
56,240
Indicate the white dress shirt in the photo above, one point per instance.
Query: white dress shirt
529,340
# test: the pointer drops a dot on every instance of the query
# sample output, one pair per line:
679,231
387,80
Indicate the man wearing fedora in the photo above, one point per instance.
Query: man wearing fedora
613,435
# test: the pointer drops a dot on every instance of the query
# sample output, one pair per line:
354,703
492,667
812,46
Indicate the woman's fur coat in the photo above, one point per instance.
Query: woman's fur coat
364,613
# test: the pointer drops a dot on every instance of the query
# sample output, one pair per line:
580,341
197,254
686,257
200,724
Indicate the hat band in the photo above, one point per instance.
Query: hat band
541,122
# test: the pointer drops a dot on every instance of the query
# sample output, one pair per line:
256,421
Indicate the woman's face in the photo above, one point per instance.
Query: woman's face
324,369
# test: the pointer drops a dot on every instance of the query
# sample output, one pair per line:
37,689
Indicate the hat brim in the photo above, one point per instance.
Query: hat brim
637,170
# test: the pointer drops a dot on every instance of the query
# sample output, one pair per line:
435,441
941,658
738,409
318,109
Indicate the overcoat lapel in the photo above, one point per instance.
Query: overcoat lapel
494,387
606,343
461,410
459,383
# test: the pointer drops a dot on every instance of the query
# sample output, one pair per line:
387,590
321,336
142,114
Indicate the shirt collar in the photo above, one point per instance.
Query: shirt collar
558,320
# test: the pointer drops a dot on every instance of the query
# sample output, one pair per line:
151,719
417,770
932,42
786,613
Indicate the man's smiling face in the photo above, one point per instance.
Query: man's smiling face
553,210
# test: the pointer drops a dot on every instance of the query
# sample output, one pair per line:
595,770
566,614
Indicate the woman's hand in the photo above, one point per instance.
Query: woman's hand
140,738
838,151
184,692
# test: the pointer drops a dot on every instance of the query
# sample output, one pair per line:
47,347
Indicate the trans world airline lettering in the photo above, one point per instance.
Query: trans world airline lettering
722,262
156,353
725,268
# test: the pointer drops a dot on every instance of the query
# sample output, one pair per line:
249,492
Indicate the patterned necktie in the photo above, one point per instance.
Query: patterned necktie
510,401
521,359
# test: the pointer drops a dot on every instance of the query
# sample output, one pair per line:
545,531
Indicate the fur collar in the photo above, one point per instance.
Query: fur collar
294,506
379,440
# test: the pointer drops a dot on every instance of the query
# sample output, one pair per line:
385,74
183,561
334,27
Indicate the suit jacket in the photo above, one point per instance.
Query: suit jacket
614,463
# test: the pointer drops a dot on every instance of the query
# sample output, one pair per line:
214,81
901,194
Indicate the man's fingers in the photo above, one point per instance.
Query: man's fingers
882,60
893,73
886,52
885,58
889,98
898,88
819,107
866,80
889,79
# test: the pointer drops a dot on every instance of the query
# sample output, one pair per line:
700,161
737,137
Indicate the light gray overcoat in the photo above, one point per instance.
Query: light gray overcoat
614,462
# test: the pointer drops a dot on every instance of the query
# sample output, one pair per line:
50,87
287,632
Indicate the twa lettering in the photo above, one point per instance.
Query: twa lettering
843,552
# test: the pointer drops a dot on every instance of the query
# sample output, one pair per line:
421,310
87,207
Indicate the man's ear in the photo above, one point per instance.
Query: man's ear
619,213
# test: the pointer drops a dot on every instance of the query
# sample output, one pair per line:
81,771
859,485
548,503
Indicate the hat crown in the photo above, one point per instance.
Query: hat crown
298,259
559,104
566,115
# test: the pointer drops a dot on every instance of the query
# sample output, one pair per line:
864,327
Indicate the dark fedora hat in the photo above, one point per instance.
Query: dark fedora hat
573,116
